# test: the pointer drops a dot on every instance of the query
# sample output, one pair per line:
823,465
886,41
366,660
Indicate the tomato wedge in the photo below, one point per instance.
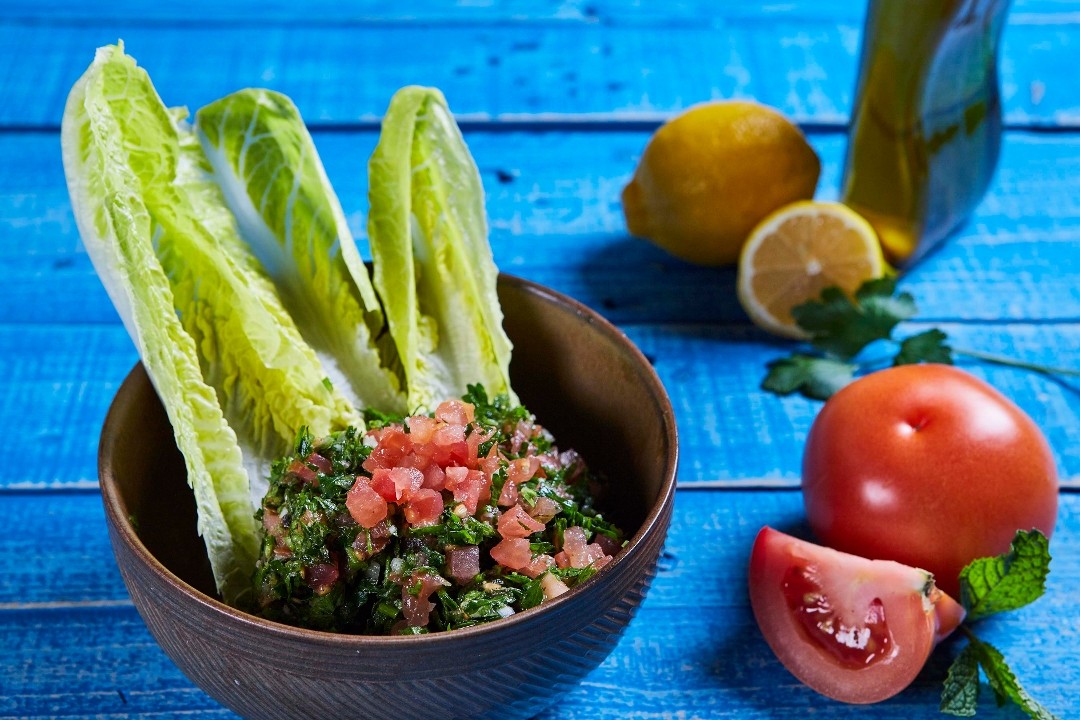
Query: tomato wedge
853,629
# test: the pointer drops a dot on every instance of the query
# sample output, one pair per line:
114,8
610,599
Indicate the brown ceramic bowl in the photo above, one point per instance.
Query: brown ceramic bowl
582,378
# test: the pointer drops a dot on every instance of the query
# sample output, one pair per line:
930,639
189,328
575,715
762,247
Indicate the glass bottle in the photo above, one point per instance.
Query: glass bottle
926,124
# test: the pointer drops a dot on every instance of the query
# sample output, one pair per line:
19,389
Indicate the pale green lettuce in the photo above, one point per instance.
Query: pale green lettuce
228,258
266,162
433,264
232,371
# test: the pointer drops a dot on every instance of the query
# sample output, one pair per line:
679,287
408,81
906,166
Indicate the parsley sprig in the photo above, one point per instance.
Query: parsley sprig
989,586
840,327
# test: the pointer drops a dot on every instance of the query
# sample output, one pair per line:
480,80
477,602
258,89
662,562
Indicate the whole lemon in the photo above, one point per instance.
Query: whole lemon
710,174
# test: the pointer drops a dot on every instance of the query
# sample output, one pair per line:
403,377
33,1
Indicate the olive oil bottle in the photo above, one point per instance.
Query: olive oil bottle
926,123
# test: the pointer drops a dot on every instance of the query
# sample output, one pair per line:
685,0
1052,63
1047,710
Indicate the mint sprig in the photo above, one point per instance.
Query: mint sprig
1006,582
840,327
989,586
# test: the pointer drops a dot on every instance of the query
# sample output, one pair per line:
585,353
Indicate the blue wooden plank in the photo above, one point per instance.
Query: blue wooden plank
556,217
692,651
55,552
345,73
434,11
730,430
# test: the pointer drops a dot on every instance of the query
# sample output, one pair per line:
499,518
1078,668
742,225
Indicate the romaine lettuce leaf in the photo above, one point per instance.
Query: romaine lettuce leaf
266,163
111,133
232,370
268,380
434,270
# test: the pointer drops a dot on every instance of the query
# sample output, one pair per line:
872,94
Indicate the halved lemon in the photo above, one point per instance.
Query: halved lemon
798,251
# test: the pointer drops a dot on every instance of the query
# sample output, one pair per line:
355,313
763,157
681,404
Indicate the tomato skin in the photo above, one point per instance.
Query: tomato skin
915,616
928,466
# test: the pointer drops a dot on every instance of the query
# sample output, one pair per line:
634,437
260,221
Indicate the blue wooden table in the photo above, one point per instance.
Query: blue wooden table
557,100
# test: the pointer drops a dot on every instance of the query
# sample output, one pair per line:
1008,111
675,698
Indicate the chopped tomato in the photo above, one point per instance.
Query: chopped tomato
424,507
515,522
303,472
463,563
454,412
513,553
322,464
366,506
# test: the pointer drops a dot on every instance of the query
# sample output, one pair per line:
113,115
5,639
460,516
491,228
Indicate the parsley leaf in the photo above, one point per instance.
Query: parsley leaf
1003,682
842,326
816,378
1009,581
961,692
926,346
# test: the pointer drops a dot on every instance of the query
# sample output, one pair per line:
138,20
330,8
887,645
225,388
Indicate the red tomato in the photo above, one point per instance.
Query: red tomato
853,629
928,466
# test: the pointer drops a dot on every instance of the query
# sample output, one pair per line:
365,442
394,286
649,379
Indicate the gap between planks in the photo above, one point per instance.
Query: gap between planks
600,122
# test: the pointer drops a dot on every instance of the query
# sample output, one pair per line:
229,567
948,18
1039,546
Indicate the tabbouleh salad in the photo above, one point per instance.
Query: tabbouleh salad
427,523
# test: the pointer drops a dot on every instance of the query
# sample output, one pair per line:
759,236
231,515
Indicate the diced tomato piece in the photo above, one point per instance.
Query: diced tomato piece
321,463
421,429
271,522
544,509
455,476
434,478
397,484
539,566
577,552
455,412
367,507
509,494
321,577
463,563
491,462
516,523
424,507
303,472
522,470
512,553
407,480
448,435
371,542
382,484
417,608
471,491
574,540
393,445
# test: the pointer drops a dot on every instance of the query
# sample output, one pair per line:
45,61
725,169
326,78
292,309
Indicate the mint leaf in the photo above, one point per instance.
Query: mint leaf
961,692
815,378
842,326
1003,682
1009,581
925,347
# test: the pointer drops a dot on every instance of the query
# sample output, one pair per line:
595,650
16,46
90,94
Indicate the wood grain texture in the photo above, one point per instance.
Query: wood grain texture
664,14
719,667
555,213
729,430
800,61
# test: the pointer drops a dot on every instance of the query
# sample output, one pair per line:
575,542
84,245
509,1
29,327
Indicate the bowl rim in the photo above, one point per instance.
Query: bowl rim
117,517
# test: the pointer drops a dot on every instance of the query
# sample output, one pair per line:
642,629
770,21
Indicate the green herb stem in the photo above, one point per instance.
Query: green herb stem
1010,362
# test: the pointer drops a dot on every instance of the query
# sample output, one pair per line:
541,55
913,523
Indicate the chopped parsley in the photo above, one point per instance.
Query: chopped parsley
321,568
